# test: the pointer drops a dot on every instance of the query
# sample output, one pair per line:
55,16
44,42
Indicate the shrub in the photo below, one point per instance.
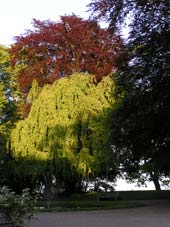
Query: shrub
16,210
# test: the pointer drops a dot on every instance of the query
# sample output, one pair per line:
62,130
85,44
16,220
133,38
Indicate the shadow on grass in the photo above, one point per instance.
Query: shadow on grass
59,206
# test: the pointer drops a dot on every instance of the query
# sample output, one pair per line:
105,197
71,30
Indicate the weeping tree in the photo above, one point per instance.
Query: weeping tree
65,139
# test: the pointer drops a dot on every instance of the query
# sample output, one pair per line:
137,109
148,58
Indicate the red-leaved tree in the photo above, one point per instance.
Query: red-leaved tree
55,49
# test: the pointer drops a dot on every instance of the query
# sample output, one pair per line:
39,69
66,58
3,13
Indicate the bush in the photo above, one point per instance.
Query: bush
16,209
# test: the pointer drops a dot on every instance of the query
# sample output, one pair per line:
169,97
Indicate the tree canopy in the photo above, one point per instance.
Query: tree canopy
7,91
84,121
7,110
68,123
142,129
55,49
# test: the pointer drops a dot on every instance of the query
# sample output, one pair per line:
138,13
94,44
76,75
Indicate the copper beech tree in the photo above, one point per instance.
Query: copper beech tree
56,49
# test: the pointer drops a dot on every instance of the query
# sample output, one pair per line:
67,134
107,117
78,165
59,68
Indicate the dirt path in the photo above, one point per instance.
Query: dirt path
155,214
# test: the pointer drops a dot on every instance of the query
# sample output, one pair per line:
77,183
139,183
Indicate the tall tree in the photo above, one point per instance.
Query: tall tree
55,49
8,80
7,111
142,130
66,133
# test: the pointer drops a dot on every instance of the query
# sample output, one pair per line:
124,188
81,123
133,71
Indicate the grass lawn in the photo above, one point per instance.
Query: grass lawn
97,201
44,206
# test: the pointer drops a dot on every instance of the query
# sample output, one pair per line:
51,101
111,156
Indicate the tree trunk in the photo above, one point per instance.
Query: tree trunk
48,188
155,178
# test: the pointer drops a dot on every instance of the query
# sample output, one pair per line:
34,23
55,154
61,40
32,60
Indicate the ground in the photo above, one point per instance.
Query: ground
153,214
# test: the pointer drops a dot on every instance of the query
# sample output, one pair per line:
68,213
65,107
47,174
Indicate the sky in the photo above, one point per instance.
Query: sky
16,15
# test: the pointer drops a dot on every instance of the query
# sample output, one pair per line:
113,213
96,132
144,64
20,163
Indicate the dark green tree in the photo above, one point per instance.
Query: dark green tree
141,124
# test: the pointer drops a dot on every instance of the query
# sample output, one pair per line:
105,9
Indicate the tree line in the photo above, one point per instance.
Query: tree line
79,103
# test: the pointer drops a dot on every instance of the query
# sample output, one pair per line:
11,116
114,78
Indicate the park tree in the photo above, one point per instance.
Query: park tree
10,110
141,129
9,86
3,138
5,86
66,135
56,49
7,111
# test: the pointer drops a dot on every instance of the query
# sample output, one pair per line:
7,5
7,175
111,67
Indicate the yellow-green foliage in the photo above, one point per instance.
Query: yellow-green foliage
69,119
9,74
34,92
3,100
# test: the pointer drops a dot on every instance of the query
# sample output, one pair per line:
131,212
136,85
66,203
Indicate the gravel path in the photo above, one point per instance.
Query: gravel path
154,214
